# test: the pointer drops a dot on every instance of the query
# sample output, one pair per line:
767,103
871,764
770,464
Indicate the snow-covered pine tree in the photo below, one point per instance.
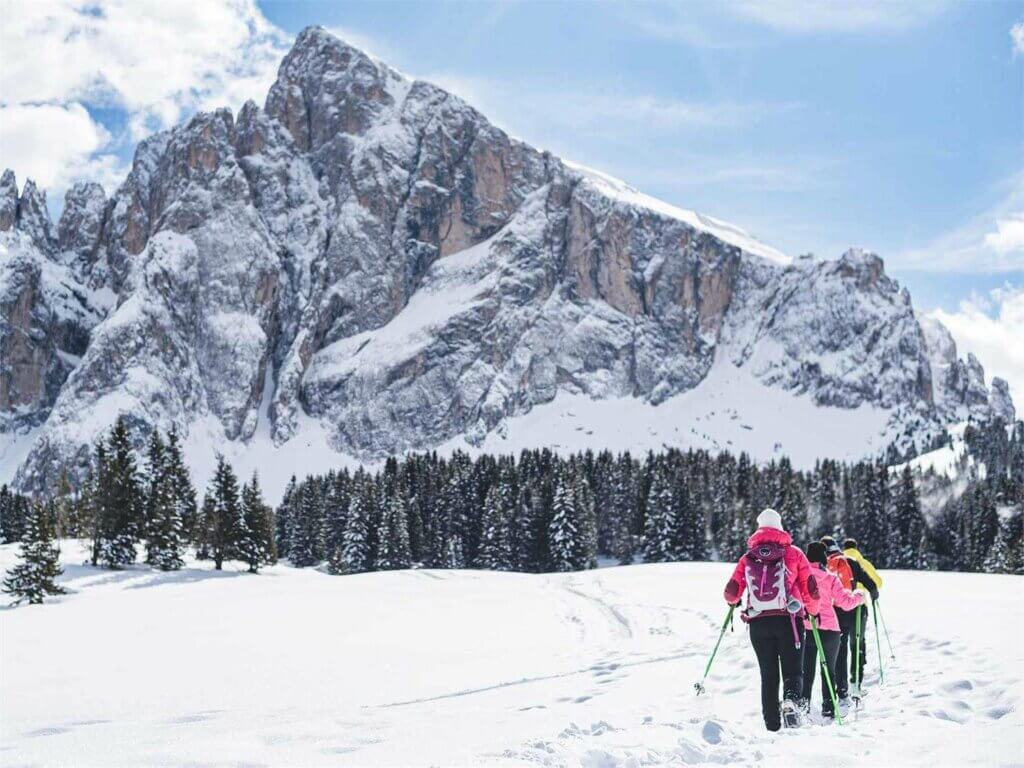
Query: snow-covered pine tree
393,543
999,557
660,539
121,524
495,552
622,511
183,493
223,525
354,555
335,513
34,577
583,503
283,518
790,501
826,499
563,531
454,556
528,552
151,477
164,537
907,523
13,516
307,522
256,544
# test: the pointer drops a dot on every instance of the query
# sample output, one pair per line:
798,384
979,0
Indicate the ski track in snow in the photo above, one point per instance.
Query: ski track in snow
593,669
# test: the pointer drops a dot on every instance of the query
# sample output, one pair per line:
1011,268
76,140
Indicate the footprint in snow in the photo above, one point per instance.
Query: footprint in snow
712,732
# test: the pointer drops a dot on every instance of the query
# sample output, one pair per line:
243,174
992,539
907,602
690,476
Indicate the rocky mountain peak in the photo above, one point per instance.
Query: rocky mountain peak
8,200
33,218
369,265
78,230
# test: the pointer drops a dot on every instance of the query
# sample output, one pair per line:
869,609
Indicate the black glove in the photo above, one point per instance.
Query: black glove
874,595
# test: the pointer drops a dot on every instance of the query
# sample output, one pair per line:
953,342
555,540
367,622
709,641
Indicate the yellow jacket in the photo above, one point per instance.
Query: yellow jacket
869,569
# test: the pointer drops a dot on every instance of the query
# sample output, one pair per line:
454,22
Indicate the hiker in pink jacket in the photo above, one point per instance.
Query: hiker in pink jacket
831,593
780,587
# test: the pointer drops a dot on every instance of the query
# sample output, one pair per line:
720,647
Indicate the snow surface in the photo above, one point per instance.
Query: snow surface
464,668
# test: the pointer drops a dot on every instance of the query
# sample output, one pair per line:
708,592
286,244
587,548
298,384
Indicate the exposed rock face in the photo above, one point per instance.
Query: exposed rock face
371,253
45,313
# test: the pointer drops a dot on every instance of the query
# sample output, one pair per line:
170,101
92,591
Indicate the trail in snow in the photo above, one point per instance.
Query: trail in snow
465,668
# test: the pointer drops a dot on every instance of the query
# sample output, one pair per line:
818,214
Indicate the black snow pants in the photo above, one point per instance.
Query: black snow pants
830,644
772,638
846,661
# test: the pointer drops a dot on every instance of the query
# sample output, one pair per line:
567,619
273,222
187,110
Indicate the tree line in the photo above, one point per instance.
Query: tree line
536,512
542,512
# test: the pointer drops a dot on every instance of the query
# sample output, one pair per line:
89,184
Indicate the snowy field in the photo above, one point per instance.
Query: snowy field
422,668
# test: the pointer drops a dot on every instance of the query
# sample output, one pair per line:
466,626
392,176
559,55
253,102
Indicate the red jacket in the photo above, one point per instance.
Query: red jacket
799,580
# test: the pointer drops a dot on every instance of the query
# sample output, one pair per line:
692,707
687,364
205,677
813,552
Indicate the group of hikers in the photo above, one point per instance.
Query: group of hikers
793,595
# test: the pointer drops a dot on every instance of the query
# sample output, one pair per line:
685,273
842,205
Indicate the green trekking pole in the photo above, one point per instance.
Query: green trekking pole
878,643
856,653
824,671
728,617
892,655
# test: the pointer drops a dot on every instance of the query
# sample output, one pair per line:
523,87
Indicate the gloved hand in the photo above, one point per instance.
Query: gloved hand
874,595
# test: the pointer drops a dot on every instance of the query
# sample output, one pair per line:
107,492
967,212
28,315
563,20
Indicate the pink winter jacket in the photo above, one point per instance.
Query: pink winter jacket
800,582
831,593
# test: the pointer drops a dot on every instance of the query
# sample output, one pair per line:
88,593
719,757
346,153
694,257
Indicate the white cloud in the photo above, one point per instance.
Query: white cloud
814,16
1009,235
153,61
993,241
52,144
997,340
1017,36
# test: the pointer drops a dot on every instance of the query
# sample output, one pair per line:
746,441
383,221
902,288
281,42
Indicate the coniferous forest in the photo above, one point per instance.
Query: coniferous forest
536,512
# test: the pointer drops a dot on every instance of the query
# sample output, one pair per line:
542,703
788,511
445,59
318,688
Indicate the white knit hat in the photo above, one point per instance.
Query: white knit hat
769,519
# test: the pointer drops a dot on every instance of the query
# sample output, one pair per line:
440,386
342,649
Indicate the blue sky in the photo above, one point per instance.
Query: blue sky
897,127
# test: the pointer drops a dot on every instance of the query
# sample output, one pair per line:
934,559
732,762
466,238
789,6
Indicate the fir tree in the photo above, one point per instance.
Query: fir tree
307,521
35,576
222,510
393,546
564,531
165,542
907,523
660,539
354,555
256,543
13,516
495,551
121,510
183,493
583,503
283,520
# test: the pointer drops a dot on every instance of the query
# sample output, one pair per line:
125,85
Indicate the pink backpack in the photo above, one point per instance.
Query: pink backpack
766,579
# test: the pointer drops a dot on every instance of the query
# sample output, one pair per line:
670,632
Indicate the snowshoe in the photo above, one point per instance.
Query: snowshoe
790,714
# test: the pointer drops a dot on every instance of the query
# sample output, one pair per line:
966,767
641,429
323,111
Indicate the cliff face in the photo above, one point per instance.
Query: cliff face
370,253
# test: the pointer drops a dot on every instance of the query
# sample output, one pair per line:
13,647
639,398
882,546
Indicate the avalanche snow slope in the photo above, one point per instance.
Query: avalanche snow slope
298,668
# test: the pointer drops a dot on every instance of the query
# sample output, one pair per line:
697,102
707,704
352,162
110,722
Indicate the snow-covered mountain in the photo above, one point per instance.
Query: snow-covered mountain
367,264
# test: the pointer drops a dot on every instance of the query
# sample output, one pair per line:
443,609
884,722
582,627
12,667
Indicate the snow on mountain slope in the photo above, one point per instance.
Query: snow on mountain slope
366,266
462,668
730,410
